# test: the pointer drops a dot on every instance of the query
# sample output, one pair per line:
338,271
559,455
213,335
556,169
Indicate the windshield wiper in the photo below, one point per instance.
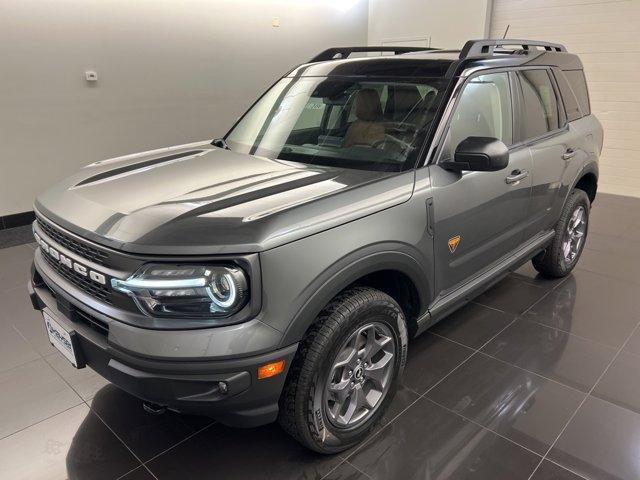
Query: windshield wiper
220,143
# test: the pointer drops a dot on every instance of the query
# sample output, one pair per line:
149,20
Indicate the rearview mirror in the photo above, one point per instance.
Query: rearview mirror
479,154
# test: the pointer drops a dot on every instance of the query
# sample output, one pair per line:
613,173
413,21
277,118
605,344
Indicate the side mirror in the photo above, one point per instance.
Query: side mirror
479,154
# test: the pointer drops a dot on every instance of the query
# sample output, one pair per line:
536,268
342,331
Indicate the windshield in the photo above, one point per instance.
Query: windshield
350,123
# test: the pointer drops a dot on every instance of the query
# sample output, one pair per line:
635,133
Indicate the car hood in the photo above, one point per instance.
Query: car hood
206,200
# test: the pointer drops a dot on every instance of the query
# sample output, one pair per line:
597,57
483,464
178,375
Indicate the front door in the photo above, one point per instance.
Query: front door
479,217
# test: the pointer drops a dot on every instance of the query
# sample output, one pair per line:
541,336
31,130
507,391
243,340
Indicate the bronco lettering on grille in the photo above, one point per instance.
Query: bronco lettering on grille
69,262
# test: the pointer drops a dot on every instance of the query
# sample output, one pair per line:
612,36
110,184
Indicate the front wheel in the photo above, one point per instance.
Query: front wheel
346,371
571,233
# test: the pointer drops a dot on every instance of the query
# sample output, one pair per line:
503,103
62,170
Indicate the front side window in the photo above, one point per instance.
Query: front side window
541,113
350,123
483,110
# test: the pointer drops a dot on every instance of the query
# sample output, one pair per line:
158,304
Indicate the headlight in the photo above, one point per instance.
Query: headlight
194,291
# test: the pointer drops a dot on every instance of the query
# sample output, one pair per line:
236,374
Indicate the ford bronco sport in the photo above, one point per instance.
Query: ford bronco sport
278,272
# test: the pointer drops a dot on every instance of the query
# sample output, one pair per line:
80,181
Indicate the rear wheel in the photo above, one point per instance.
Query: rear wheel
346,371
571,233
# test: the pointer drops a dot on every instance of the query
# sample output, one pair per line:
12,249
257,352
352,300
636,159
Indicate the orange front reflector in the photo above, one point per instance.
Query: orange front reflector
270,369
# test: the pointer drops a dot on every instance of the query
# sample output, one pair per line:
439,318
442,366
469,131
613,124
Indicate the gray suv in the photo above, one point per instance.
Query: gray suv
278,272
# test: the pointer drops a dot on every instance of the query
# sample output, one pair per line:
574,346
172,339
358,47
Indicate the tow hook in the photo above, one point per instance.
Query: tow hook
153,408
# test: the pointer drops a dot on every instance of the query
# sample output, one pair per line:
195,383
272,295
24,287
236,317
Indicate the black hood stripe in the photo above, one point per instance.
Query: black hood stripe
255,195
135,166
246,186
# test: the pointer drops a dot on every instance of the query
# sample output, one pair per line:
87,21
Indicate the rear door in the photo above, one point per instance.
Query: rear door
542,126
479,216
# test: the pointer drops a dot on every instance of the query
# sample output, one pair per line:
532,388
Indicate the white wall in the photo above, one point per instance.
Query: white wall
447,23
605,35
169,72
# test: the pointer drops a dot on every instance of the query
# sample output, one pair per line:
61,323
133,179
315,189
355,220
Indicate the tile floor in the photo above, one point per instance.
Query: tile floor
536,380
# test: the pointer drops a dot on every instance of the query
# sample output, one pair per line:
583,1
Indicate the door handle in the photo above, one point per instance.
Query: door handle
516,176
569,154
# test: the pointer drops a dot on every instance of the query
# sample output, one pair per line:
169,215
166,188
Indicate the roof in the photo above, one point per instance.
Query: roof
423,62
383,66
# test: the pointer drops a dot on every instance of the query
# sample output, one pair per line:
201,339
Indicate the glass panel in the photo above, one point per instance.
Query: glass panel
579,85
540,104
350,123
568,97
483,110
311,115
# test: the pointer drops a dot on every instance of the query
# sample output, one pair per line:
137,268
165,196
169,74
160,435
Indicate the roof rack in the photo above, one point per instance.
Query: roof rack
475,48
344,52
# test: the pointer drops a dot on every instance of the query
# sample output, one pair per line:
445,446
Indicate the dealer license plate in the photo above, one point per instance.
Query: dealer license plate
60,338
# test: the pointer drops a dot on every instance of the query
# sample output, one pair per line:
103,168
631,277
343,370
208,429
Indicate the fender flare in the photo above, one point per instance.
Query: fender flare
349,269
591,167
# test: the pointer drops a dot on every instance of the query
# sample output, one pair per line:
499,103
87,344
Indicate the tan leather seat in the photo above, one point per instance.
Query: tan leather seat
408,106
367,129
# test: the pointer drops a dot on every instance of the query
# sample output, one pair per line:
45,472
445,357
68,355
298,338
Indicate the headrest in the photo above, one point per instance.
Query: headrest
407,98
368,106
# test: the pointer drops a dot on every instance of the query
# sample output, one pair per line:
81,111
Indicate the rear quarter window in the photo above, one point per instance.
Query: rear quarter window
579,86
571,105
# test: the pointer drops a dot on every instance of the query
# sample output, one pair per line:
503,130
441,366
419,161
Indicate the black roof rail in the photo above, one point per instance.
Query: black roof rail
475,48
344,52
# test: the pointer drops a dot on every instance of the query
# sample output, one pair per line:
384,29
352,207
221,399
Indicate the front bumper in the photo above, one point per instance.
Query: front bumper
188,386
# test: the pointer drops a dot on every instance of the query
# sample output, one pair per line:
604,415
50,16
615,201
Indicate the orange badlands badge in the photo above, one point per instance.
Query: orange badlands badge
453,243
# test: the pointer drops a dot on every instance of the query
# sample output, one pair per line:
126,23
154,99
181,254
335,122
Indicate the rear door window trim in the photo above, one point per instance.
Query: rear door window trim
551,133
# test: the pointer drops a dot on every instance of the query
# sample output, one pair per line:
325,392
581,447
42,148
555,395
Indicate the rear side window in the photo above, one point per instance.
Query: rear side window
579,86
568,97
541,113
311,115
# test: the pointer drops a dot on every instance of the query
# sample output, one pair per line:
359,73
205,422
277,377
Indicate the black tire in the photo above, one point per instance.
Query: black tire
302,411
551,262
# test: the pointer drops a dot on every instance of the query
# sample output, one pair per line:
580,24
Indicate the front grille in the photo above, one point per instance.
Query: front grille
85,251
83,283
77,315
91,321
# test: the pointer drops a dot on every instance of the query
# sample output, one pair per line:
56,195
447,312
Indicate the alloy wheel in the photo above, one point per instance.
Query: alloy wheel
360,375
574,235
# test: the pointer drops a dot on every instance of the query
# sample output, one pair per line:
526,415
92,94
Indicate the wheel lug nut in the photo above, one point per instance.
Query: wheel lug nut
353,384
